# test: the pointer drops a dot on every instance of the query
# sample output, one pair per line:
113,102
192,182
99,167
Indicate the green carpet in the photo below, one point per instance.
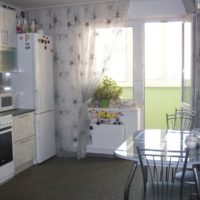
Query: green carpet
71,179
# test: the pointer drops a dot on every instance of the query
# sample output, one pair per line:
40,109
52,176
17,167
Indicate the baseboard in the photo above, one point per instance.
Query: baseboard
23,167
101,155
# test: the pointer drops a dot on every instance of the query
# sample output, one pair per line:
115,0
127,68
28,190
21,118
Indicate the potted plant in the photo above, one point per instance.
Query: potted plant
106,91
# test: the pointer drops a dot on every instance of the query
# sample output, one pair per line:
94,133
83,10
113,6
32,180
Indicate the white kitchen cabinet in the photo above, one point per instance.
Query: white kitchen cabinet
23,126
24,151
7,27
24,140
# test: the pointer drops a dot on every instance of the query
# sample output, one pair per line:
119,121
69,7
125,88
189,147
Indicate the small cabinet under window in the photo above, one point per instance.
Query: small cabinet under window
107,134
106,138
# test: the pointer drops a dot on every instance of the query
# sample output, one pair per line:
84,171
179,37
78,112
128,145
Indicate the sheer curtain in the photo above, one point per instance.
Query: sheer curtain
77,72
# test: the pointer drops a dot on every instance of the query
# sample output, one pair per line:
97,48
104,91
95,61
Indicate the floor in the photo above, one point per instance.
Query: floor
71,179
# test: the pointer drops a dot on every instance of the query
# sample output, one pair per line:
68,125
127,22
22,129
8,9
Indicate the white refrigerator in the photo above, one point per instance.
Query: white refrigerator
33,86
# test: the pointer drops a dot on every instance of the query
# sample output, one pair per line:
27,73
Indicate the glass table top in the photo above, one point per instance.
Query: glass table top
166,141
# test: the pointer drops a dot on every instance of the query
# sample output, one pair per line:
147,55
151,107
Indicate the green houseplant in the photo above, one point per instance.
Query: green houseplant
106,91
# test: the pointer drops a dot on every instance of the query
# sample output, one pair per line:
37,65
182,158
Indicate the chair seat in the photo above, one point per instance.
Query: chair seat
158,173
189,176
161,190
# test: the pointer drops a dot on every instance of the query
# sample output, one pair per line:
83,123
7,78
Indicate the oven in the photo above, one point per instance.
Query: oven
6,148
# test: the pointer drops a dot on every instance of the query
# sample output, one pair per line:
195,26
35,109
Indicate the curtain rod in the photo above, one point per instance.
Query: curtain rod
71,4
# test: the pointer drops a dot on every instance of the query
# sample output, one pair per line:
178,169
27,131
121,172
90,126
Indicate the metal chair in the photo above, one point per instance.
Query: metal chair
158,171
183,120
195,195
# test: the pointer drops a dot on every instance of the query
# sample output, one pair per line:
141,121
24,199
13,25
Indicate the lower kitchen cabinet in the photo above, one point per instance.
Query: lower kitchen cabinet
23,141
24,151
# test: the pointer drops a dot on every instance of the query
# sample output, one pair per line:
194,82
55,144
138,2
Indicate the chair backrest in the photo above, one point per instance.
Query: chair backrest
185,112
158,171
181,120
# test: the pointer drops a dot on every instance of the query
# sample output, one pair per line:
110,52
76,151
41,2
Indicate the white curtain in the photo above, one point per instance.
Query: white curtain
77,72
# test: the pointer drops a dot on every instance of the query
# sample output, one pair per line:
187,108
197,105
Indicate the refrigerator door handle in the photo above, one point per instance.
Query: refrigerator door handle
37,100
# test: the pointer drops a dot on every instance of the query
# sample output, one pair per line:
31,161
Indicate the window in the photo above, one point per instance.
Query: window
164,44
120,66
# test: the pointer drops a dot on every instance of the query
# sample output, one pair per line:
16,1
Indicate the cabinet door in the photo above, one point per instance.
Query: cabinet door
7,27
23,126
24,151
10,28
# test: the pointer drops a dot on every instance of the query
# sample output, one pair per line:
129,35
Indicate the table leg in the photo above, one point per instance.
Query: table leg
129,180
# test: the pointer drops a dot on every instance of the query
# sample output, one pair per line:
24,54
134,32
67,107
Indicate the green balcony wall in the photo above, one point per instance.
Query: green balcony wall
158,102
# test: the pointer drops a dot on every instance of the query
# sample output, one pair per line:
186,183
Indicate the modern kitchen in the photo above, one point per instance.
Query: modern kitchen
44,112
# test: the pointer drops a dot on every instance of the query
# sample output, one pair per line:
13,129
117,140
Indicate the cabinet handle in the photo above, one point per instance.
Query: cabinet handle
6,37
26,140
23,116
3,33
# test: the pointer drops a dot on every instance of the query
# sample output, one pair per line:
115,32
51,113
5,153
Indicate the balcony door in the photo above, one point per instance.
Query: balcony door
167,69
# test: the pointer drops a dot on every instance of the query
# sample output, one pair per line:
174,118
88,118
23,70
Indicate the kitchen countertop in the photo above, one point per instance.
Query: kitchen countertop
16,112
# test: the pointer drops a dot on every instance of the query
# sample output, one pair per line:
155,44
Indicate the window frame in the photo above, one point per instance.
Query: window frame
163,80
128,60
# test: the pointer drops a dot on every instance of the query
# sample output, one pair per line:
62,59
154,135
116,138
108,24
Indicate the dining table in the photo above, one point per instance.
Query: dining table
157,139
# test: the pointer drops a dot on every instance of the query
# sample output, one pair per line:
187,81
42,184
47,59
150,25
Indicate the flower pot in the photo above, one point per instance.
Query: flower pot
104,103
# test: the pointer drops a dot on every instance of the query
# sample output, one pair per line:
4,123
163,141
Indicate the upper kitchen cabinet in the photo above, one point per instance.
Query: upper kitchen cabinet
7,40
7,27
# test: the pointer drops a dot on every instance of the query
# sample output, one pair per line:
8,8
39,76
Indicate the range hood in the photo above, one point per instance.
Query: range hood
8,59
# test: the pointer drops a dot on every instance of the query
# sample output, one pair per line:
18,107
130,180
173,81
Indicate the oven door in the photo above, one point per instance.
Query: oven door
6,150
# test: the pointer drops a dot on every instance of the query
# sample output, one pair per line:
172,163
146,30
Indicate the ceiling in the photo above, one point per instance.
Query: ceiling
27,4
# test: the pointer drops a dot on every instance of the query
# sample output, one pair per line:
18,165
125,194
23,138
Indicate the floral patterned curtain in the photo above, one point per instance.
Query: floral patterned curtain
77,72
